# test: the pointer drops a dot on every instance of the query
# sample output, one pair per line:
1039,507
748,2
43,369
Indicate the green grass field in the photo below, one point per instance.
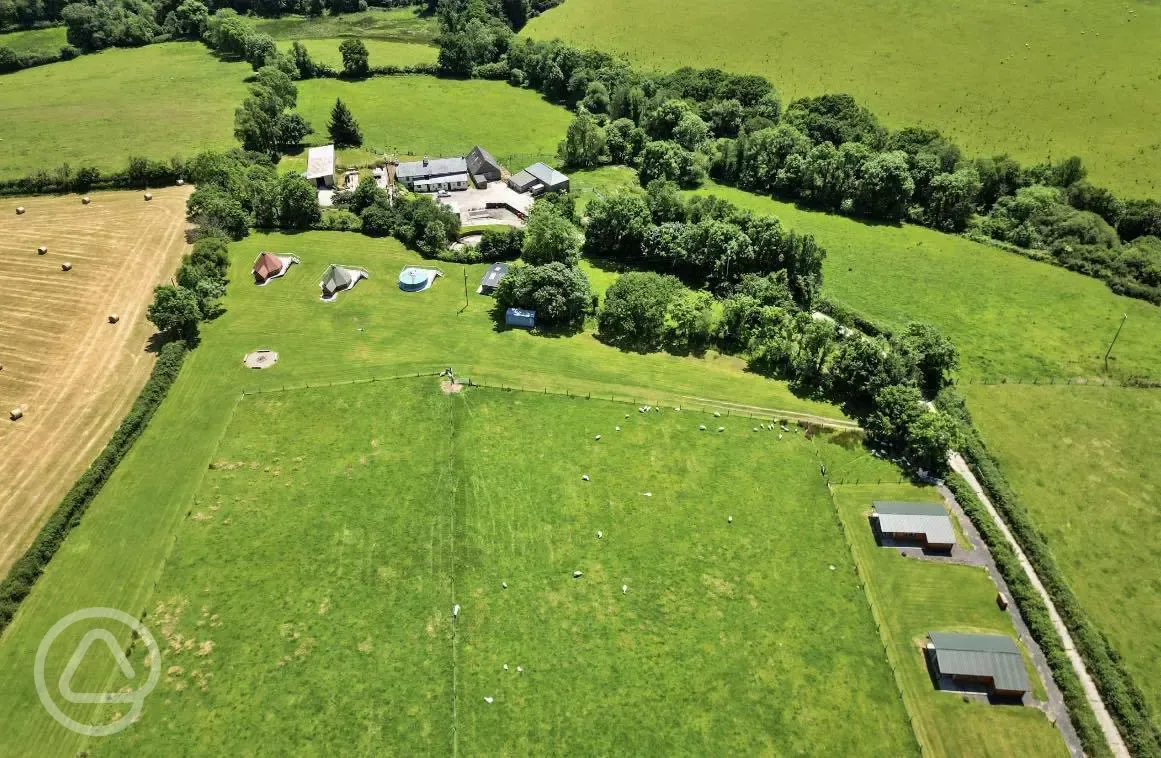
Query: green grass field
397,25
325,552
913,598
1083,460
380,52
1037,80
48,40
160,101
1008,315
411,116
374,330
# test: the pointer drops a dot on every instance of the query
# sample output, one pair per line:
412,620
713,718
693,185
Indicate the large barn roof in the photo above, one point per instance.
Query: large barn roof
981,655
928,519
320,162
480,160
547,175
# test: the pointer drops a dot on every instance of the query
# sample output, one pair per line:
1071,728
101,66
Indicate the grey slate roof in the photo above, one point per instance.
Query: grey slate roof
981,655
497,272
481,161
434,167
523,178
320,162
928,519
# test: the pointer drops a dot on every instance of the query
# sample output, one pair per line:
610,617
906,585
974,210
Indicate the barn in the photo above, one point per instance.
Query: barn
990,660
538,179
924,524
483,167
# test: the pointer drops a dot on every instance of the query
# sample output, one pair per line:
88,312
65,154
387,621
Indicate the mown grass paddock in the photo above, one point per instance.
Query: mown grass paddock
1008,315
914,597
1083,460
73,374
379,52
1036,80
159,101
115,555
318,571
395,25
423,115
49,40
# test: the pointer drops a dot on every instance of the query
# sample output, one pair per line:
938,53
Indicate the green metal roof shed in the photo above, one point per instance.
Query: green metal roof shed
994,658
927,521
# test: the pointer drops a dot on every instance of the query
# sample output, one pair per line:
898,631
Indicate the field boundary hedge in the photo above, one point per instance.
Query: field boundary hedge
1120,694
28,569
1035,614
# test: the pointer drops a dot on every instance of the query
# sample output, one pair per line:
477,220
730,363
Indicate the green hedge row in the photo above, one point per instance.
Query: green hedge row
32,564
1035,614
1121,696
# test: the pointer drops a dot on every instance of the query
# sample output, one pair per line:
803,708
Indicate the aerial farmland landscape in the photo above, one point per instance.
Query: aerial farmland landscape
576,377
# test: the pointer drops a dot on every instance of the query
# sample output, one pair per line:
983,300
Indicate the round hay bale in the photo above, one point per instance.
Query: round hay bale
66,266
16,414
20,210
86,200
114,318
148,196
42,250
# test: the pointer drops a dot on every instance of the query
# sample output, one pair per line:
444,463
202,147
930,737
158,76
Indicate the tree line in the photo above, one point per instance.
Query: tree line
826,152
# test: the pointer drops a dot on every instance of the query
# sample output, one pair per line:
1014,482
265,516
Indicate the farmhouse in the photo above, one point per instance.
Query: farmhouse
924,523
483,167
492,279
538,179
991,660
320,166
337,279
520,317
433,174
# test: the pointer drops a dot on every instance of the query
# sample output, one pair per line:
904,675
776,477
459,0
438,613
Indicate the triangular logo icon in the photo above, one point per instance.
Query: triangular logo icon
66,677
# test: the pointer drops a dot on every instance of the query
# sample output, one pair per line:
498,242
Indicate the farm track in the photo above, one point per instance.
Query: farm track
74,374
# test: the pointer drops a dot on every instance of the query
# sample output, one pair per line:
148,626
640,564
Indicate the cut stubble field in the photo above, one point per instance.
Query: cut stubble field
72,372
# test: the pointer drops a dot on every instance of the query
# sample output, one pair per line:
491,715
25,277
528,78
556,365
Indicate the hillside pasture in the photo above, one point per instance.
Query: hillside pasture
413,116
379,52
73,373
317,573
159,101
1084,462
1037,80
37,41
115,554
1008,315
395,25
914,597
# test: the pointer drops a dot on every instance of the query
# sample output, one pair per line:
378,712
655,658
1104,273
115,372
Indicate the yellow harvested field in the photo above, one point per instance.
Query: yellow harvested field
70,371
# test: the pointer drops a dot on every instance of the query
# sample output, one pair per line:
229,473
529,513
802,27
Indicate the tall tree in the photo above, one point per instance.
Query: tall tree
584,146
355,58
343,128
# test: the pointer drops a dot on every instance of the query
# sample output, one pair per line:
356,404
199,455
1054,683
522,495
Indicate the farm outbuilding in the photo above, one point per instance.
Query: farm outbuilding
926,524
483,167
993,661
538,179
320,166
520,317
492,279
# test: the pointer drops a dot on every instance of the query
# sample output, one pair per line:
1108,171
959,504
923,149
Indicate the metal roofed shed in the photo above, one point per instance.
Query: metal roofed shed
991,660
320,166
520,317
538,179
925,523
492,278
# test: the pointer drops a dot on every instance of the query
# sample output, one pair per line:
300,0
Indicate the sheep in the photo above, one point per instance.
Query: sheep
597,438
701,428
730,520
456,611
584,477
600,534
577,574
624,589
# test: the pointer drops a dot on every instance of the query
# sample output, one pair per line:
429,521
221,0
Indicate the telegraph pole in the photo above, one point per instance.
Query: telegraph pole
1124,318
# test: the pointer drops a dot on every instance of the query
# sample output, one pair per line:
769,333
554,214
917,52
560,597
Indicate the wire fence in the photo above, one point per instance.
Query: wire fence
1144,382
